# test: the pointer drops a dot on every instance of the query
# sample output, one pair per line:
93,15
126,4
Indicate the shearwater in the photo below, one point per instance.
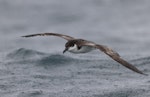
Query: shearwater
77,46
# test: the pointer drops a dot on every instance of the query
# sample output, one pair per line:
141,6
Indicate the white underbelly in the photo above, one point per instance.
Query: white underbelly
83,49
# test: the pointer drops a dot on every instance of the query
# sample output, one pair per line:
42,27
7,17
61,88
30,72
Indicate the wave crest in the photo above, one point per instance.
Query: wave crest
56,59
24,54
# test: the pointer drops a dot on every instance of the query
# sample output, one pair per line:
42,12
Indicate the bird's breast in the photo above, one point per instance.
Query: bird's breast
82,49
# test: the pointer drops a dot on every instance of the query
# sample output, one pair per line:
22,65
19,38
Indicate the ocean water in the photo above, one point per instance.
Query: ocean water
36,67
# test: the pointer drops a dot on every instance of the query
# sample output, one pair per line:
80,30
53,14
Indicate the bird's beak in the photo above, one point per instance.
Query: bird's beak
66,49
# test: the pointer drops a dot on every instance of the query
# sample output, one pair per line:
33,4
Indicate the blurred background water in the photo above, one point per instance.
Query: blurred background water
36,67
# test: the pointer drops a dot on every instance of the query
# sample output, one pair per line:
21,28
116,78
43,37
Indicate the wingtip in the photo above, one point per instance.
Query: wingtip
25,36
145,74
22,36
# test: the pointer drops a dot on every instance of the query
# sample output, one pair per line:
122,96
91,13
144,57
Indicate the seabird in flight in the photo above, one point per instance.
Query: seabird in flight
77,46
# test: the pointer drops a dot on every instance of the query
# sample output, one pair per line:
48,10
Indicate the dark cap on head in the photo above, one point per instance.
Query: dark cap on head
70,43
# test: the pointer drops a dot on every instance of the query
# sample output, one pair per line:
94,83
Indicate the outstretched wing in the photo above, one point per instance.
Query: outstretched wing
51,34
114,55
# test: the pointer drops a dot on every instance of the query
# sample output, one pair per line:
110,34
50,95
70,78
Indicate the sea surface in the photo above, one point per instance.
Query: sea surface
36,67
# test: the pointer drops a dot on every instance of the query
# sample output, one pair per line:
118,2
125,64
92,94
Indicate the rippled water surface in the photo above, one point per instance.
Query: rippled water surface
36,67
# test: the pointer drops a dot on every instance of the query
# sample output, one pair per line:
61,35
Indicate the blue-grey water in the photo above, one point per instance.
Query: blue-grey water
36,67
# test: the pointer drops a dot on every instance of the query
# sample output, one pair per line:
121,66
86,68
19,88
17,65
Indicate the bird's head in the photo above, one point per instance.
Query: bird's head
70,45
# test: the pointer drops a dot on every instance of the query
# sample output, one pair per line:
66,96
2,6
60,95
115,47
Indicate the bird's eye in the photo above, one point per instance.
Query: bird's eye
72,45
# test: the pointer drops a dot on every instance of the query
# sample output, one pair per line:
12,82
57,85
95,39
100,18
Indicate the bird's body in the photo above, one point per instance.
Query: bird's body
82,49
76,49
78,46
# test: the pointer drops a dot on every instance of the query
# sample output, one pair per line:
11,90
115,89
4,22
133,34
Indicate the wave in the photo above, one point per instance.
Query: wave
56,59
23,55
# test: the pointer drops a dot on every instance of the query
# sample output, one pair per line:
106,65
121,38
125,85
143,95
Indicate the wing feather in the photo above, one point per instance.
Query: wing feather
114,55
51,34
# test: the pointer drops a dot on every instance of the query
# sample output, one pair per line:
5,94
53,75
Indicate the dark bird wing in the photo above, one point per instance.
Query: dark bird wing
114,55
51,34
